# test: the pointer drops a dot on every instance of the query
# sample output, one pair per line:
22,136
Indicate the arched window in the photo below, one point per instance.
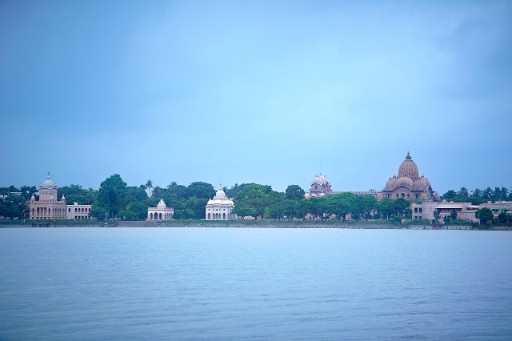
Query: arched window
160,216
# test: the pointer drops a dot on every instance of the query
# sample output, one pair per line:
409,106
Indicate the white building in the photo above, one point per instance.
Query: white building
160,212
78,212
220,207
320,186
48,206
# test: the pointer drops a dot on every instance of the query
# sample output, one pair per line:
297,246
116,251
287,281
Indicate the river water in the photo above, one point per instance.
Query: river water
254,284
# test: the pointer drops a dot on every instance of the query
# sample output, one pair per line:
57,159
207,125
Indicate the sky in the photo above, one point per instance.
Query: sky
271,92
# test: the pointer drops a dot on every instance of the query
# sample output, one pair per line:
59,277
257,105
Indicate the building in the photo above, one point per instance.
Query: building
426,210
160,212
219,207
320,186
78,212
498,207
408,184
48,206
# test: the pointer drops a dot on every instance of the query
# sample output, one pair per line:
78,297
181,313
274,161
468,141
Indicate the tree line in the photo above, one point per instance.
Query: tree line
478,196
116,200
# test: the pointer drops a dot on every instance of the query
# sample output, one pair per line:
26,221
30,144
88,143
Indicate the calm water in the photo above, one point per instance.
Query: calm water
254,284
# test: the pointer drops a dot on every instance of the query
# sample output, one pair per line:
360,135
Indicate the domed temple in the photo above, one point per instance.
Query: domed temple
160,212
220,207
408,184
48,206
320,186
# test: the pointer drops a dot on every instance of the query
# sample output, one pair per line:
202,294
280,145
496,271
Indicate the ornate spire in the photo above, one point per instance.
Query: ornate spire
408,157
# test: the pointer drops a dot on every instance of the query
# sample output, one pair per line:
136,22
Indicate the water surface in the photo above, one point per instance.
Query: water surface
254,284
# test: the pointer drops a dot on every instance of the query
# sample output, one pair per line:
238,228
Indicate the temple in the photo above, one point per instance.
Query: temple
219,207
48,206
407,184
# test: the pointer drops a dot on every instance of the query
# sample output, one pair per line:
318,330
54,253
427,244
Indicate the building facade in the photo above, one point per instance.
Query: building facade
160,212
219,207
408,184
463,210
48,206
320,186
78,212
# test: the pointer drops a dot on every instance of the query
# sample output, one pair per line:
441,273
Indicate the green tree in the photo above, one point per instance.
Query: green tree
13,206
294,192
136,210
201,190
451,195
111,195
75,193
485,215
385,207
149,187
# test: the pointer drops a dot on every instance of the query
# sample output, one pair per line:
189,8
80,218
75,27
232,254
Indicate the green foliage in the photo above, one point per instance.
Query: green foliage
75,193
13,206
111,195
294,192
485,215
201,190
136,210
252,199
478,196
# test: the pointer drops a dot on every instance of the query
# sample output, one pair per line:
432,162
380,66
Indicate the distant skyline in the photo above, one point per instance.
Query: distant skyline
272,92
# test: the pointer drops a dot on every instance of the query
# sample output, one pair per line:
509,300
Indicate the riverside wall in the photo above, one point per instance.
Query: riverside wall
246,224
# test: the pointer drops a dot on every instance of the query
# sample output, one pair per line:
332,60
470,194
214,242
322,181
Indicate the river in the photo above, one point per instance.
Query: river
254,284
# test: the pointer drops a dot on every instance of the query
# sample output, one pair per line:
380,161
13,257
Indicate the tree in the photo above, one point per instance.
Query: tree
294,192
201,190
136,210
13,206
149,187
75,193
450,195
485,215
111,194
436,214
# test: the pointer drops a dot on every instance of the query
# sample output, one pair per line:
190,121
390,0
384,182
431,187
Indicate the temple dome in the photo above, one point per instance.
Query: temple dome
220,194
404,181
319,179
409,168
422,184
48,182
390,185
161,204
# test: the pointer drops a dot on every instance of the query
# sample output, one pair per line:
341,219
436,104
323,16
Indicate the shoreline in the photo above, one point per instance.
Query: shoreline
252,224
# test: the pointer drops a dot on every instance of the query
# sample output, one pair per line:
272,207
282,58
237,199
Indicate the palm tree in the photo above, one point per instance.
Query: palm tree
149,187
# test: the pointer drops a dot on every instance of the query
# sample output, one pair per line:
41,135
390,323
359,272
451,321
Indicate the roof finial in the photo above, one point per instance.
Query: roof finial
408,157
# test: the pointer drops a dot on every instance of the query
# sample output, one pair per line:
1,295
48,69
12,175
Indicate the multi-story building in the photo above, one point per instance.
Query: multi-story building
78,212
48,206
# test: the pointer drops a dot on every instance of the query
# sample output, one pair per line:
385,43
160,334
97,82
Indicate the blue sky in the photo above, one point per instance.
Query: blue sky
272,92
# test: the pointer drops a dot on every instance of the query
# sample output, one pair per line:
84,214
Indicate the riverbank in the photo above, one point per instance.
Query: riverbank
380,224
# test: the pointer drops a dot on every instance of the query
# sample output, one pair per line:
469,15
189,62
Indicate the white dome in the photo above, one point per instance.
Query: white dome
48,182
161,204
320,179
220,194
